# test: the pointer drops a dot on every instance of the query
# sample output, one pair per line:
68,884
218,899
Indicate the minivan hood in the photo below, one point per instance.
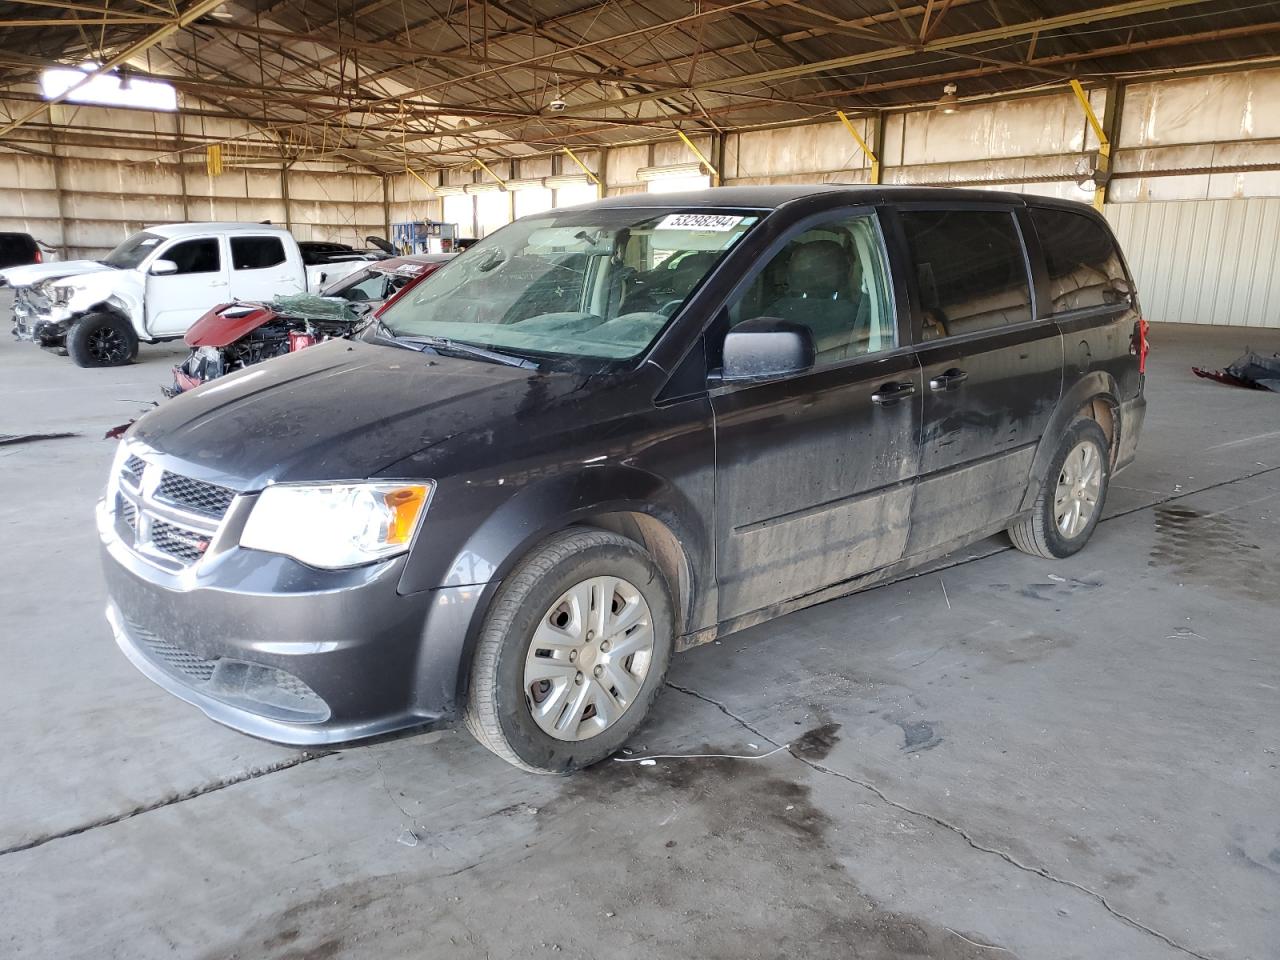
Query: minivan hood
341,410
35,272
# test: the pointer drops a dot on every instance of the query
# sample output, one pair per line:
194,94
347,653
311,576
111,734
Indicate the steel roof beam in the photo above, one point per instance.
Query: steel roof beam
1109,12
192,13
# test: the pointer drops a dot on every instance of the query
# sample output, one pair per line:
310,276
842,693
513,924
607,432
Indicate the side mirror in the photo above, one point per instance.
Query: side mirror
765,348
163,268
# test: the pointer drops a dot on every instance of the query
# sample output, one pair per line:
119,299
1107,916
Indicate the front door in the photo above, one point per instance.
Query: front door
992,373
814,472
177,300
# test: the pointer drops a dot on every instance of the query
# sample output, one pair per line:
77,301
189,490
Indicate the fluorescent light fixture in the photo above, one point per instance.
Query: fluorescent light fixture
531,184
567,180
672,171
108,90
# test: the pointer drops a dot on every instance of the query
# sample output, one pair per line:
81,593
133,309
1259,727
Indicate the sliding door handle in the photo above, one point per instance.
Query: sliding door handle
949,380
890,393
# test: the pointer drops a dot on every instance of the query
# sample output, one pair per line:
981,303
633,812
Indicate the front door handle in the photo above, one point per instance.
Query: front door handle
890,393
949,380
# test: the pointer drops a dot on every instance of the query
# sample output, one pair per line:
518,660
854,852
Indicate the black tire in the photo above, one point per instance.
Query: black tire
498,711
102,340
1038,534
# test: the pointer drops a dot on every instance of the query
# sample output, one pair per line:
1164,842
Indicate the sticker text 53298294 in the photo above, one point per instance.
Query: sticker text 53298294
698,221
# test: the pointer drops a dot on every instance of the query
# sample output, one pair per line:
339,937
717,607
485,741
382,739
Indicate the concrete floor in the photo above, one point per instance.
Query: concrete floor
1005,757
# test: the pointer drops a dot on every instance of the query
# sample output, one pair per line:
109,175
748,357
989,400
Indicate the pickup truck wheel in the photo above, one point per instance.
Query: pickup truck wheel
102,340
572,653
1071,496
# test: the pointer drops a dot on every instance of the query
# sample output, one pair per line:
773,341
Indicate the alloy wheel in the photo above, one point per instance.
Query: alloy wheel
1079,485
588,658
107,345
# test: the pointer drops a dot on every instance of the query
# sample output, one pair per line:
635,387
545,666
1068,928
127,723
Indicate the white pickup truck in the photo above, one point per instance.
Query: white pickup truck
155,285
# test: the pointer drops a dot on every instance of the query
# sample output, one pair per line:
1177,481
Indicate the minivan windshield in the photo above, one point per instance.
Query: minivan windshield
133,251
592,282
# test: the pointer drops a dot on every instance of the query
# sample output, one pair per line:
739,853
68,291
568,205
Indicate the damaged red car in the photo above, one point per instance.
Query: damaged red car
233,336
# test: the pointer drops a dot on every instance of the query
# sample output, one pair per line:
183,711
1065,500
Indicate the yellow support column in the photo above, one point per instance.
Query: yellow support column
486,168
875,161
587,170
711,167
414,173
1104,145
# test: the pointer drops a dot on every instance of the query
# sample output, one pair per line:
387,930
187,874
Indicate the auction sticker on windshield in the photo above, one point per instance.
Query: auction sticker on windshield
698,221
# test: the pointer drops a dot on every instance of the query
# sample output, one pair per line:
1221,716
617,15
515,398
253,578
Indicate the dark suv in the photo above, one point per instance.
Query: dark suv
19,249
608,433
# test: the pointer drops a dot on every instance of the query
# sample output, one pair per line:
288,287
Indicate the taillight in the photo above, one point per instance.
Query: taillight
1140,346
39,256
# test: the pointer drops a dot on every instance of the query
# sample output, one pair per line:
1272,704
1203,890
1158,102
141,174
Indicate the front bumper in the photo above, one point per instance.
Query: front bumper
287,653
43,326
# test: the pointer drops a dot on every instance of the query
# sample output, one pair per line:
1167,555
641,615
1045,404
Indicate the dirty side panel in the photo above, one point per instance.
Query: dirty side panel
979,439
813,480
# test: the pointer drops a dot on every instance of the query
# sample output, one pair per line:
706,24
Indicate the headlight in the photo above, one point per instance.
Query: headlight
336,525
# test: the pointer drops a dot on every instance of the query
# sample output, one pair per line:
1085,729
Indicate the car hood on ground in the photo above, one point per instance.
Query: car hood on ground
35,272
339,411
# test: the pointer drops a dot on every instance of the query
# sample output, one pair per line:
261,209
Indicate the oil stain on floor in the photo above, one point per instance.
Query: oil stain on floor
1216,550
709,858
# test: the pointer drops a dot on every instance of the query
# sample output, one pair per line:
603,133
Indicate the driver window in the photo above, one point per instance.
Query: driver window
831,279
195,256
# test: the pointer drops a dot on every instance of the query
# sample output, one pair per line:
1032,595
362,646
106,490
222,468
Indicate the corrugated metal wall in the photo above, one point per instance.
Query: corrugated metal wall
1204,261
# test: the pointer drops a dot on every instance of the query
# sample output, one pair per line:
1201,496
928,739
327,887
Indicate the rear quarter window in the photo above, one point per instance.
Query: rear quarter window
256,253
969,269
1081,258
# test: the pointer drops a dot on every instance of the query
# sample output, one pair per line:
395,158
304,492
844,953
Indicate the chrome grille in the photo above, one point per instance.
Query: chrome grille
169,519
178,543
133,468
126,518
199,495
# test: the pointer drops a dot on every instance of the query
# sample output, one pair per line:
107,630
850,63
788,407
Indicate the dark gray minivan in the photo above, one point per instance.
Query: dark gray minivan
608,433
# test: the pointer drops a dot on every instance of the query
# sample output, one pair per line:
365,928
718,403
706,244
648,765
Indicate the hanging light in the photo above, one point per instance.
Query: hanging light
558,104
948,102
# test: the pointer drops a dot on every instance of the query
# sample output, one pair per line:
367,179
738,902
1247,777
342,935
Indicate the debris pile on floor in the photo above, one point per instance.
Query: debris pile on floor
10,438
1252,370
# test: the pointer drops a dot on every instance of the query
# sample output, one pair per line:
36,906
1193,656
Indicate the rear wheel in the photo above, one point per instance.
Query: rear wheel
572,654
102,340
1071,497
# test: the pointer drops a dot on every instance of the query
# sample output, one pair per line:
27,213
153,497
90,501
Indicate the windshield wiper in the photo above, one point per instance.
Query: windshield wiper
385,333
444,345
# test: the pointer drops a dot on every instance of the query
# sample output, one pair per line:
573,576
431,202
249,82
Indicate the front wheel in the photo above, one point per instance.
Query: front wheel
1071,496
572,653
102,340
